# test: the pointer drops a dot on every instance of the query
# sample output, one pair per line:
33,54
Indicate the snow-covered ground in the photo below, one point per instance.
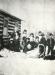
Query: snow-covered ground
16,63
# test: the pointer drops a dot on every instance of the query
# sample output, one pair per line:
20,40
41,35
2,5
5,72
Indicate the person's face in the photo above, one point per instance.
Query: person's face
40,38
28,40
31,38
37,39
51,36
25,32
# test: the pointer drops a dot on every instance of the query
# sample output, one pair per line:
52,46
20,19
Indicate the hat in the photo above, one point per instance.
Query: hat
32,34
37,37
42,34
39,33
25,31
28,38
50,34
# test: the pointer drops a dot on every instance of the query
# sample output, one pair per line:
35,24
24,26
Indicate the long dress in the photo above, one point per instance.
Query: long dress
16,45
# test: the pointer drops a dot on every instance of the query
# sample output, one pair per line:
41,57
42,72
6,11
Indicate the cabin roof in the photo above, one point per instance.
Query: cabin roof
9,15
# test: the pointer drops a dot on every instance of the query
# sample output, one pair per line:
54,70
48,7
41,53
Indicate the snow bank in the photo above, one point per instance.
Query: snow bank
33,53
16,63
7,53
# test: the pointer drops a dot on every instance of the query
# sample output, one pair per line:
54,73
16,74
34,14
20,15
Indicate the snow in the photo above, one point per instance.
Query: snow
17,63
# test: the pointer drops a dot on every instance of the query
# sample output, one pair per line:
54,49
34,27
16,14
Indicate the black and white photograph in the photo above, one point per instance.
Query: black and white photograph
27,37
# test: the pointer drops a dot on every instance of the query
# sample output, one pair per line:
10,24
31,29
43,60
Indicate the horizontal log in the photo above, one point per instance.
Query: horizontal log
1,30
11,22
10,31
1,22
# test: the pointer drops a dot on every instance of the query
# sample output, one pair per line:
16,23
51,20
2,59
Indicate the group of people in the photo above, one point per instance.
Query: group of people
12,42
40,41
30,43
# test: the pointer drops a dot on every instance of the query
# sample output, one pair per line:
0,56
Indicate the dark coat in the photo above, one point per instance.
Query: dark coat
43,41
11,45
24,41
52,42
32,43
16,45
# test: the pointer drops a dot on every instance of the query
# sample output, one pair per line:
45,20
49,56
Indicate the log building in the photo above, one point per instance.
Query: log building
8,23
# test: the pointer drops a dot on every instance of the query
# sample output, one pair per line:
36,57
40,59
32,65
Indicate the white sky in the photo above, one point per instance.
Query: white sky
37,14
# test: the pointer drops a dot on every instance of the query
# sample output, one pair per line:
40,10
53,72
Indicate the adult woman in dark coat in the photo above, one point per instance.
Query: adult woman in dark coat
16,42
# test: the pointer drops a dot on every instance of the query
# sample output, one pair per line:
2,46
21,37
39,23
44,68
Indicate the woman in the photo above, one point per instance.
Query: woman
16,42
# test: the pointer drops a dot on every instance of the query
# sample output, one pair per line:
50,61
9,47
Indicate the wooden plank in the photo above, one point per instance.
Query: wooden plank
1,22
13,23
1,25
5,38
1,30
10,25
10,28
1,19
1,16
1,34
10,31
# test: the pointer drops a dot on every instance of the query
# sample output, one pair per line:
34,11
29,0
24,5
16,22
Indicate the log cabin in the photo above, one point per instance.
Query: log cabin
8,23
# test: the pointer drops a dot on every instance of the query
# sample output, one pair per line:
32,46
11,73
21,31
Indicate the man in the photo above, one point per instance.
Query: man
42,45
32,42
36,41
24,41
11,44
50,44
